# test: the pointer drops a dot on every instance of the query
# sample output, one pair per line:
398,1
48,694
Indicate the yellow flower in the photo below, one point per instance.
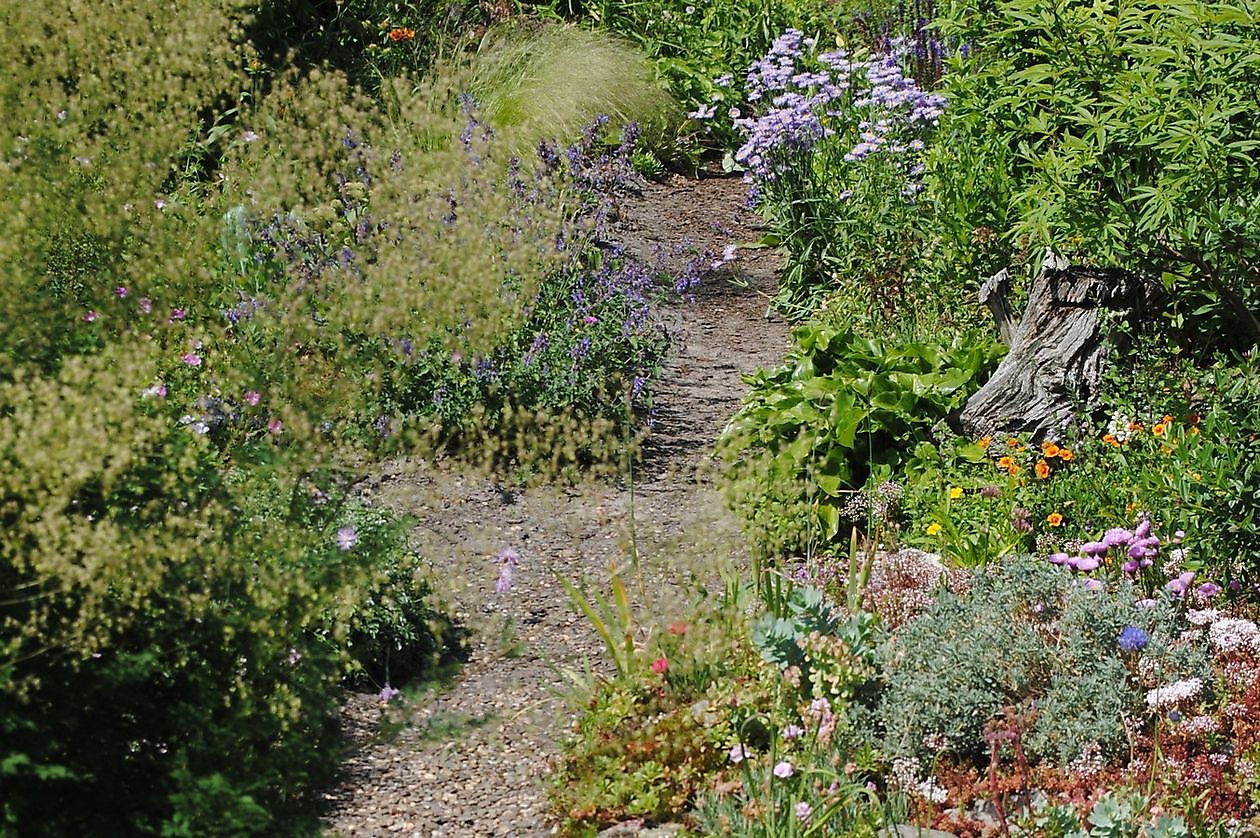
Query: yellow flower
1159,428
1054,519
955,492
933,528
984,441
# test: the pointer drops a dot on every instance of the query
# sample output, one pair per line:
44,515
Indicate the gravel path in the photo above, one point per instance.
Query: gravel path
472,759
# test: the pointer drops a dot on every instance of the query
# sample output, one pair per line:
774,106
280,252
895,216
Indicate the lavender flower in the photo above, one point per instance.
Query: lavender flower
347,537
388,693
508,560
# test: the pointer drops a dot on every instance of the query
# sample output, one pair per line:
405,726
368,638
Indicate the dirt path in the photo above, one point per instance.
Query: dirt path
472,760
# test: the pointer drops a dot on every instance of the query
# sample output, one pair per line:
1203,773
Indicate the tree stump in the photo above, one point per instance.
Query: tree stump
1058,349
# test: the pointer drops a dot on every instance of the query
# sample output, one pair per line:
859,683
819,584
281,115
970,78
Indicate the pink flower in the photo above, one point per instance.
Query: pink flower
192,359
784,770
590,320
738,754
252,397
120,291
90,317
275,426
178,314
388,693
660,665
145,305
679,628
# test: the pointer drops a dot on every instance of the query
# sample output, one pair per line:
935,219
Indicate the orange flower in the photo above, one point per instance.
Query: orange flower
1194,431
1159,428
1066,455
1005,462
1049,449
1043,469
402,33
1166,419
1110,439
1013,470
1054,519
984,441
1012,442
1135,426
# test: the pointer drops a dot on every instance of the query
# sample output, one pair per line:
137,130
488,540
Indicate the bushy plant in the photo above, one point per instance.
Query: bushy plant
1025,636
840,409
1117,135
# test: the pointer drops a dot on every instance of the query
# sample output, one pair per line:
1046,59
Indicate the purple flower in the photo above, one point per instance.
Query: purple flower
802,810
1208,590
1095,548
1117,537
90,317
347,537
192,359
784,770
120,291
178,314
145,305
738,753
1133,639
793,732
388,693
252,397
275,426
1181,584
508,560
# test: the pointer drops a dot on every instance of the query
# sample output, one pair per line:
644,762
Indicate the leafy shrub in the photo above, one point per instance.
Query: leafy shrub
1127,136
840,409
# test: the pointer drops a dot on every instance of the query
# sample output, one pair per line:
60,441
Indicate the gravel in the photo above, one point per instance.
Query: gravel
472,758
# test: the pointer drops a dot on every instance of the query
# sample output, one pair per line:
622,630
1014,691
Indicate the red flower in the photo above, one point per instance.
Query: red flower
660,665
679,628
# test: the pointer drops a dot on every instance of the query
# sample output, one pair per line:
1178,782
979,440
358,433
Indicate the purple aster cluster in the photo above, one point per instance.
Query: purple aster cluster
871,107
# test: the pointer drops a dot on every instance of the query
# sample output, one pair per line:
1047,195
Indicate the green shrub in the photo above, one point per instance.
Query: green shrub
841,409
1026,636
1128,135
548,81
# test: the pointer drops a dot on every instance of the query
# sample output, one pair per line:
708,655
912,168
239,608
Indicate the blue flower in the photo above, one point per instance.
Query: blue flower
1133,639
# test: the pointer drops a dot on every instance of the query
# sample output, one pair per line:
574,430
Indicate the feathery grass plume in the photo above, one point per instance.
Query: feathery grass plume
547,81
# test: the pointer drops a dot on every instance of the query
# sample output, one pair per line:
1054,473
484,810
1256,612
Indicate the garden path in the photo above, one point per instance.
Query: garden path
472,759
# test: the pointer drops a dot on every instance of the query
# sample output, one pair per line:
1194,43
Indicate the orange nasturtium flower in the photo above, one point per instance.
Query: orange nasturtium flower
1110,439
1005,463
984,441
1013,470
1065,454
1043,469
1159,428
1049,449
402,33
1054,519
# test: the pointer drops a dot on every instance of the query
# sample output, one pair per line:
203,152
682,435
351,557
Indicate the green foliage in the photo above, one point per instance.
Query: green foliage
1128,135
551,80
839,410
1025,633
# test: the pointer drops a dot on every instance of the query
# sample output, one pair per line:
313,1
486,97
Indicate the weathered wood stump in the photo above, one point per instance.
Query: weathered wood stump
1058,348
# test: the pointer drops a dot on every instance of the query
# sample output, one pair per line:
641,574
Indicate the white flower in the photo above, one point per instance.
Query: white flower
1174,693
1234,634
